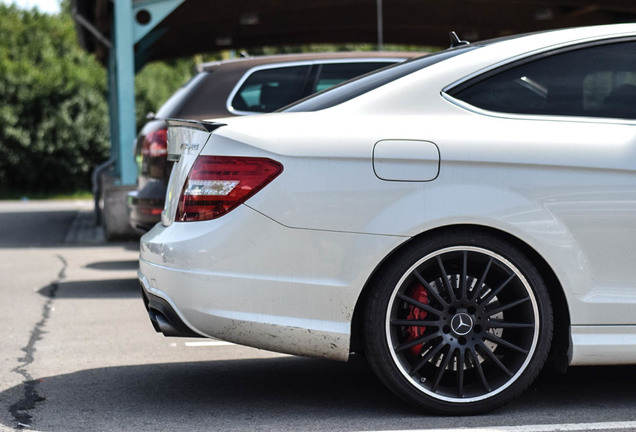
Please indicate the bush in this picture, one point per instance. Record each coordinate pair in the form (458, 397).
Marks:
(53, 110)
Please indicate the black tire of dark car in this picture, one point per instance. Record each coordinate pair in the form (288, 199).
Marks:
(459, 322)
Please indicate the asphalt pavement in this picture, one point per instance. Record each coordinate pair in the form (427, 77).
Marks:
(78, 353)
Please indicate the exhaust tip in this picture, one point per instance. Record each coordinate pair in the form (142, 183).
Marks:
(165, 327)
(164, 318)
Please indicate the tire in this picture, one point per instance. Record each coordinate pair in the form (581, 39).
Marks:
(458, 323)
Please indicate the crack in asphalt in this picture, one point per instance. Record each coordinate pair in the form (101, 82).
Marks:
(21, 409)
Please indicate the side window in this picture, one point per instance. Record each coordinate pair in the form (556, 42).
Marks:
(330, 74)
(267, 90)
(597, 81)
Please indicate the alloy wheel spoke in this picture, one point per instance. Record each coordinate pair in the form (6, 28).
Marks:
(492, 294)
(512, 325)
(500, 341)
(416, 323)
(464, 277)
(415, 342)
(430, 289)
(461, 359)
(429, 355)
(507, 306)
(480, 371)
(482, 280)
(442, 369)
(418, 304)
(494, 359)
(445, 280)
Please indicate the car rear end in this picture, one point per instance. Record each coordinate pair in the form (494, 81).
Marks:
(145, 204)
(219, 267)
(193, 232)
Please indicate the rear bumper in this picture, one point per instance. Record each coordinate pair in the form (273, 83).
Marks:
(249, 280)
(162, 315)
(145, 206)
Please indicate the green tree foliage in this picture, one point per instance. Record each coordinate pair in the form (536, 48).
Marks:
(53, 111)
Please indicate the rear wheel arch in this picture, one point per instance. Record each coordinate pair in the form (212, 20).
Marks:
(560, 351)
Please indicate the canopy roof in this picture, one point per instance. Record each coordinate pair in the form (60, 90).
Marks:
(198, 26)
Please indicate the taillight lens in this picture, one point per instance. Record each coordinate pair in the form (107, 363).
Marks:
(155, 143)
(218, 184)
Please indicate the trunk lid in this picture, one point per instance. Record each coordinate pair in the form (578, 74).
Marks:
(186, 139)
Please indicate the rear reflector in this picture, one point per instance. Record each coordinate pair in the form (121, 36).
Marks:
(218, 184)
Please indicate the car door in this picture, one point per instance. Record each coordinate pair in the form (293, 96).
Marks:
(574, 113)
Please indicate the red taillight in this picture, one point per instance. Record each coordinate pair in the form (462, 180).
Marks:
(155, 143)
(150, 211)
(217, 184)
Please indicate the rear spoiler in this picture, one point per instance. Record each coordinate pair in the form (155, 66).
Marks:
(184, 141)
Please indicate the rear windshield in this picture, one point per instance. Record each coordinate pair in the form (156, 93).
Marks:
(359, 86)
(172, 105)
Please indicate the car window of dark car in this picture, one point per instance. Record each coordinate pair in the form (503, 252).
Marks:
(359, 86)
(266, 90)
(331, 74)
(172, 105)
(593, 81)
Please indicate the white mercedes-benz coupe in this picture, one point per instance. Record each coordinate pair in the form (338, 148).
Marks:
(461, 219)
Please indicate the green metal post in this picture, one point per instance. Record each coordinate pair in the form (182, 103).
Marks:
(124, 92)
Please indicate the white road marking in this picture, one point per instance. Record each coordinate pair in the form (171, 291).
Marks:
(208, 344)
(627, 425)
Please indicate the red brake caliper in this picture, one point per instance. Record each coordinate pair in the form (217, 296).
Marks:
(415, 313)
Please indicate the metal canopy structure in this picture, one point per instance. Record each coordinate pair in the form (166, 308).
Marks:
(197, 26)
(126, 34)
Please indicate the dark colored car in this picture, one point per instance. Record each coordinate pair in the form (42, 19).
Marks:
(237, 87)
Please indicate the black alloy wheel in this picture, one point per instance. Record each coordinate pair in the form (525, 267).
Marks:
(459, 323)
